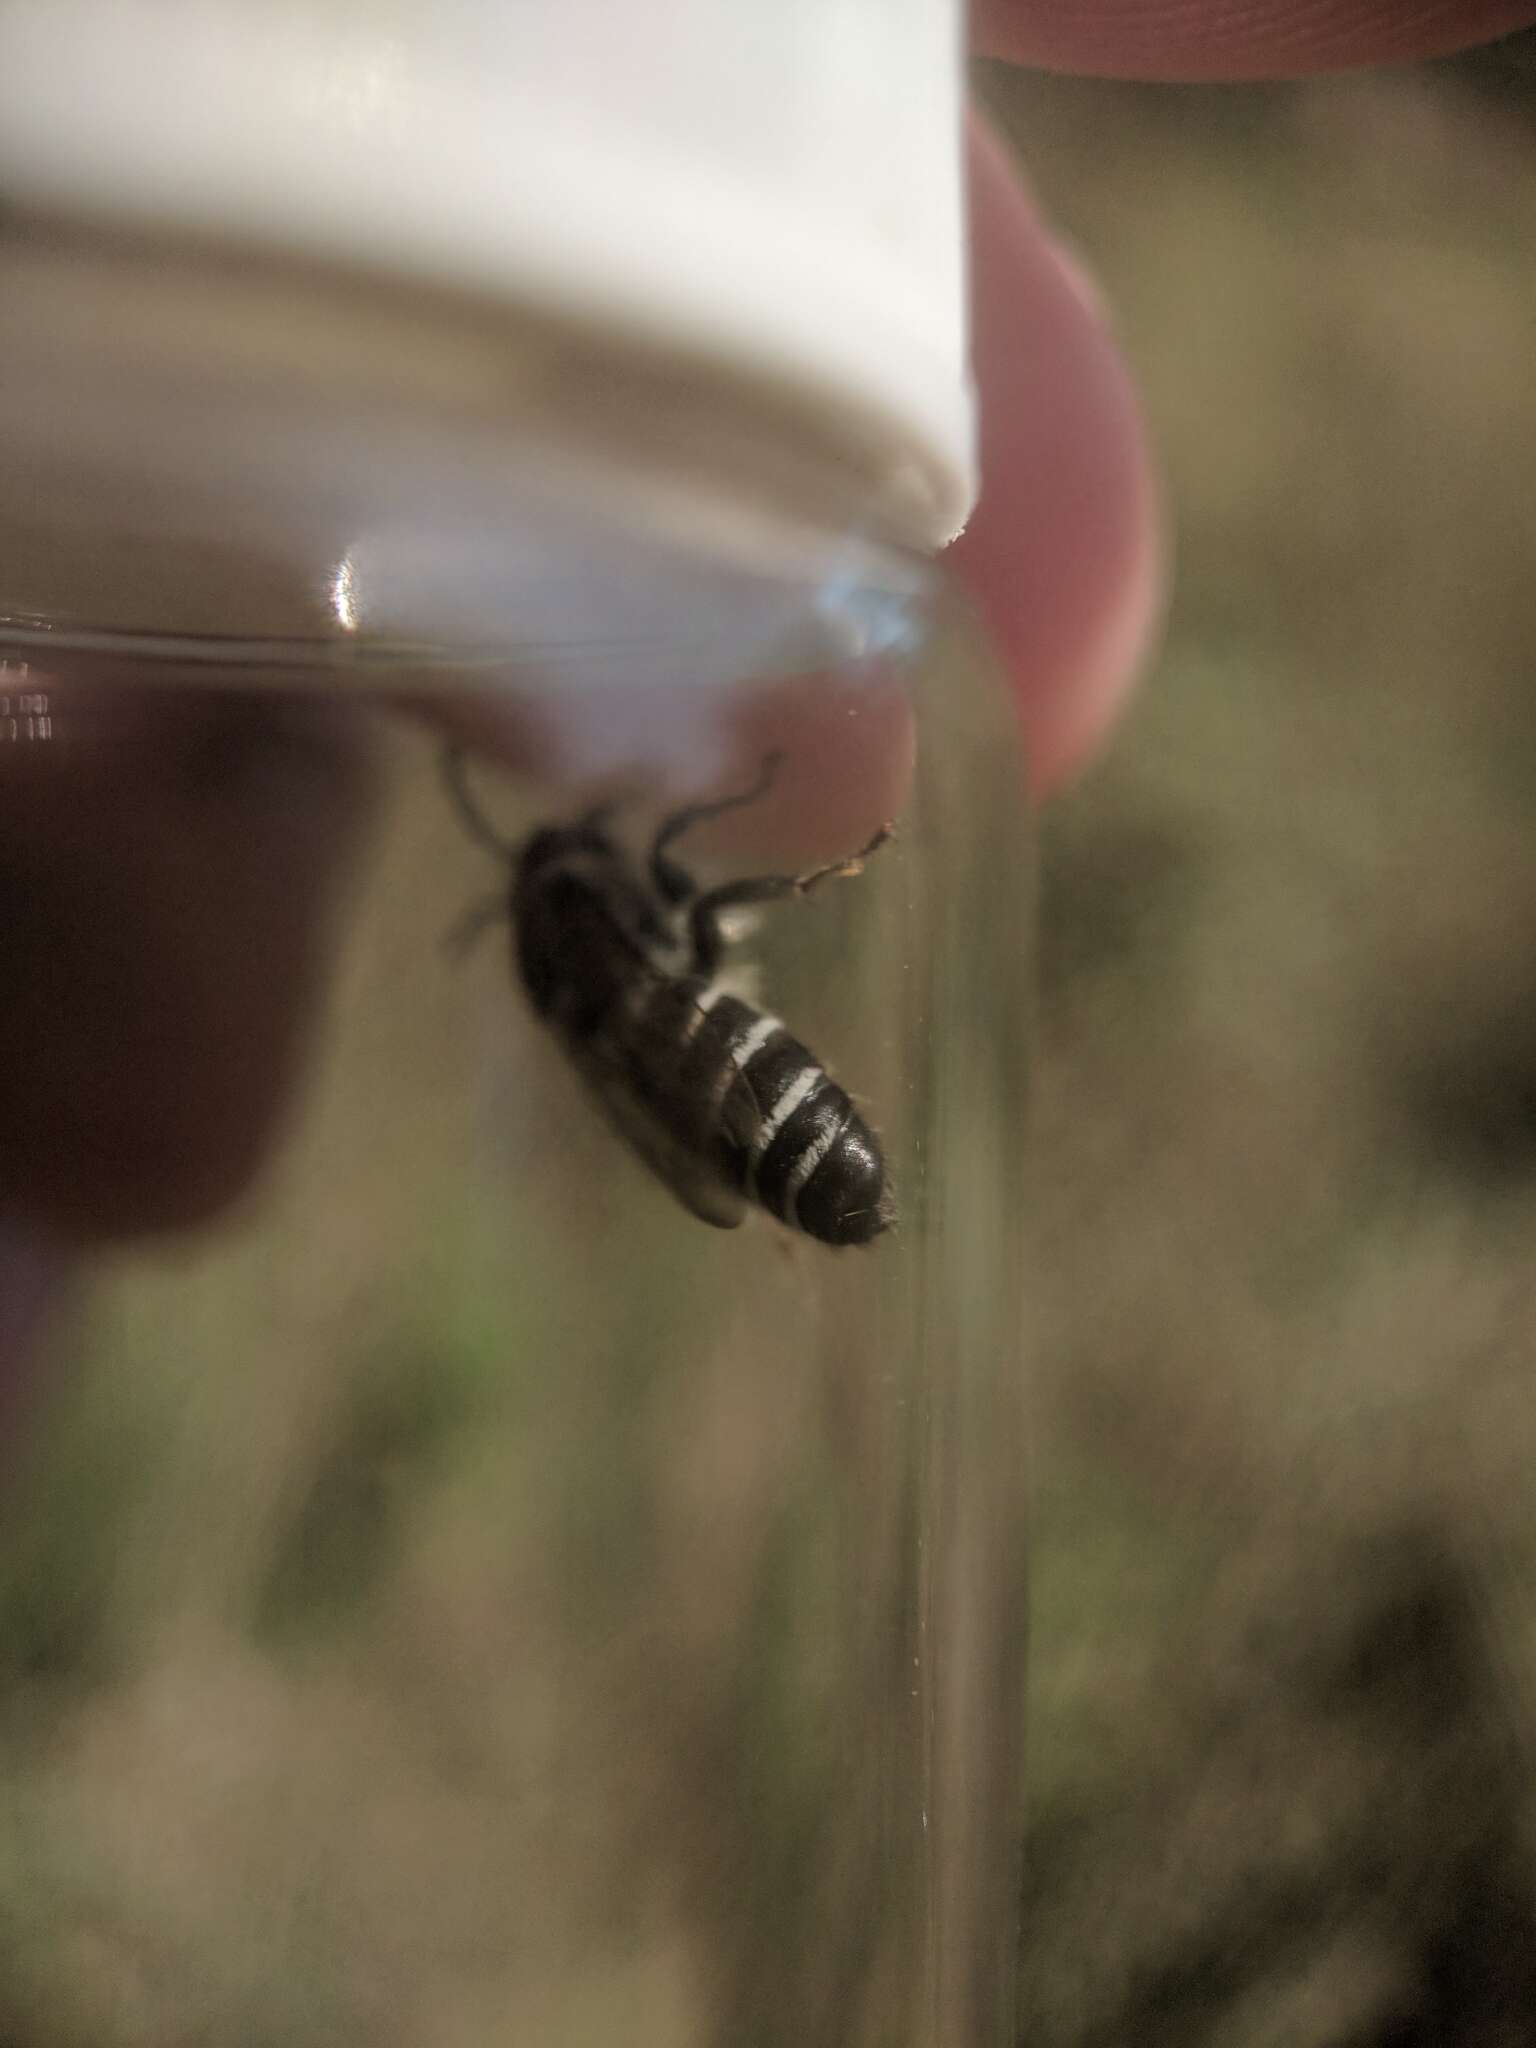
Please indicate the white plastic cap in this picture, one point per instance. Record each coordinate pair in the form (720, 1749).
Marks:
(770, 185)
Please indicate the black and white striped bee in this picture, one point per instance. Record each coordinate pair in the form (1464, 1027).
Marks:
(623, 962)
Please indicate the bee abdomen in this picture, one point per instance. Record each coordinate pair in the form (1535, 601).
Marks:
(778, 1128)
(789, 1135)
(817, 1165)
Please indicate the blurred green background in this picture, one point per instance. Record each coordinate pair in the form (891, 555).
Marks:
(1284, 1630)
(1282, 1647)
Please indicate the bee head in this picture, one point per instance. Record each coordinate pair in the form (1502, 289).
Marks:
(553, 844)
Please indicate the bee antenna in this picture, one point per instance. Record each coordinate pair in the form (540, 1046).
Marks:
(682, 821)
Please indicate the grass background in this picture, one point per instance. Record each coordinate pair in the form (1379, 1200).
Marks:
(1286, 1164)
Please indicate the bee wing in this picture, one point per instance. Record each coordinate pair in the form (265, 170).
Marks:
(691, 1178)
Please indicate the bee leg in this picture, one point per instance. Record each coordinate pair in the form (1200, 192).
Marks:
(475, 922)
(707, 937)
(670, 879)
(476, 823)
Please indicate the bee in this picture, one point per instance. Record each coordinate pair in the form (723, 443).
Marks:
(622, 960)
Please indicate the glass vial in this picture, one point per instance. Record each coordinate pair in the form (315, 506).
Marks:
(525, 1544)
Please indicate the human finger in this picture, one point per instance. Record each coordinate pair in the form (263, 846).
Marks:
(170, 862)
(1230, 39)
(1063, 557)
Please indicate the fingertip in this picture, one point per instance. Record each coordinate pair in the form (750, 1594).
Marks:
(1196, 41)
(1065, 554)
